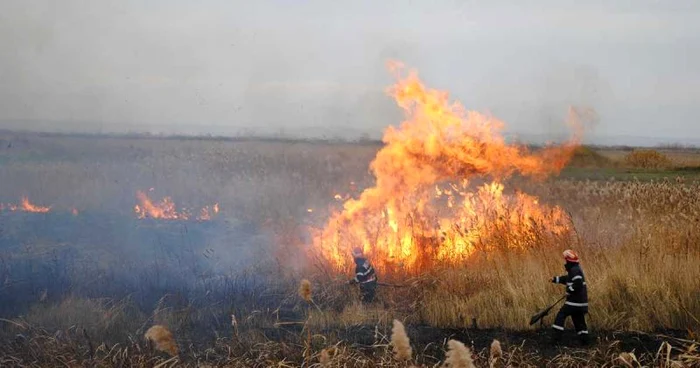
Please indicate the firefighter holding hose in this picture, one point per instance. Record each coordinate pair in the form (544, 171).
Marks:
(364, 276)
(576, 305)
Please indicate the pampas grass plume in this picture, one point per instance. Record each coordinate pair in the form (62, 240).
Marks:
(325, 359)
(400, 342)
(496, 353)
(458, 355)
(305, 290)
(163, 338)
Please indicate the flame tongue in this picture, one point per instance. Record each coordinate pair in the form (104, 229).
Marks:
(25, 206)
(407, 219)
(166, 210)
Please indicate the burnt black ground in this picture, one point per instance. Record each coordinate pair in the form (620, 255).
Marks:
(430, 342)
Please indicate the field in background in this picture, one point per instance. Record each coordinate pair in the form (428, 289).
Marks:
(636, 230)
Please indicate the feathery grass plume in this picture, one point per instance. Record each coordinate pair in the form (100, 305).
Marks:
(163, 338)
(400, 342)
(496, 353)
(458, 356)
(325, 358)
(305, 290)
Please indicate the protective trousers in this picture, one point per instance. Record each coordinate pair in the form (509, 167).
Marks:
(578, 316)
(367, 291)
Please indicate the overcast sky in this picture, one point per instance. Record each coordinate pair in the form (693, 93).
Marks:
(309, 66)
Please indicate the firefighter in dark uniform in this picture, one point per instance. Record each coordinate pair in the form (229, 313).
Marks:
(576, 304)
(364, 276)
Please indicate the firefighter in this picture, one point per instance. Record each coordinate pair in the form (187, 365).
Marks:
(576, 304)
(364, 276)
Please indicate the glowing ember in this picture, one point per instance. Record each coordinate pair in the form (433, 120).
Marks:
(439, 192)
(25, 206)
(166, 210)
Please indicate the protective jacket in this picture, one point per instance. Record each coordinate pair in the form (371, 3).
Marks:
(364, 272)
(575, 281)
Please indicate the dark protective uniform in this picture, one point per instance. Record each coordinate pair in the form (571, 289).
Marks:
(576, 304)
(367, 278)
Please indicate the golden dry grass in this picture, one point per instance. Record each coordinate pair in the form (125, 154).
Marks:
(639, 243)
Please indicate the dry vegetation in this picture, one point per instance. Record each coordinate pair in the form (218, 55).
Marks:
(647, 159)
(77, 349)
(639, 243)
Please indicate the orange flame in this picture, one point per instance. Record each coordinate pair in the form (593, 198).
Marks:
(166, 210)
(25, 206)
(207, 212)
(415, 216)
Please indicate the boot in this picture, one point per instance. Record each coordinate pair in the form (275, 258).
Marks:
(584, 339)
(555, 338)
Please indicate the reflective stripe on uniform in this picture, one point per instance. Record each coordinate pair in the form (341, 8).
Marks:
(584, 332)
(576, 304)
(576, 277)
(369, 280)
(558, 327)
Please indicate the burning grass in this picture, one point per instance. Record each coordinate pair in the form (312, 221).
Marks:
(423, 211)
(24, 206)
(166, 210)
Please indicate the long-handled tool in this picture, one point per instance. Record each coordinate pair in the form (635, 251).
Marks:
(539, 315)
(381, 284)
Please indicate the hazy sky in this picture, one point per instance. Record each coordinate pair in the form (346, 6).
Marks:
(222, 66)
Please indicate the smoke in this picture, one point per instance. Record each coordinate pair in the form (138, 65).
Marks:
(318, 69)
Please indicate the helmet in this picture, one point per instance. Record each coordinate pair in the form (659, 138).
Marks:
(357, 252)
(571, 256)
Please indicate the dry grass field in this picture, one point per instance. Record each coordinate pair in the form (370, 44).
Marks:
(638, 240)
